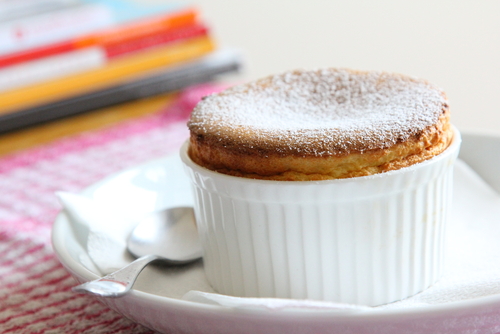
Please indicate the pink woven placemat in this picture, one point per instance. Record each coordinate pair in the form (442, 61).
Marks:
(35, 290)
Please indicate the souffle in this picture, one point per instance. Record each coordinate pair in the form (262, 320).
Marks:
(320, 125)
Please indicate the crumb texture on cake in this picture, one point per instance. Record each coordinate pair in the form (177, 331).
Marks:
(323, 124)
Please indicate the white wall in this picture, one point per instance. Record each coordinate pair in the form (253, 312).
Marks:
(453, 43)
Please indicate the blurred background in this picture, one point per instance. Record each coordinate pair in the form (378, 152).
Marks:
(60, 58)
(454, 44)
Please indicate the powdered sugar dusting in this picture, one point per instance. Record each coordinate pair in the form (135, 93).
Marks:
(320, 112)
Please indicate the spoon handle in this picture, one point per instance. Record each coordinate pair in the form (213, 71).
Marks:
(119, 282)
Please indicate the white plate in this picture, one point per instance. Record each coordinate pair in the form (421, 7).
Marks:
(156, 300)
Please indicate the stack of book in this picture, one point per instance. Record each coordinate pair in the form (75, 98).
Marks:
(62, 57)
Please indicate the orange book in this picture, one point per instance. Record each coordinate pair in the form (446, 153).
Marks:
(123, 68)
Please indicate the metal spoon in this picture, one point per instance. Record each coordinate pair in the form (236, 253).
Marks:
(168, 235)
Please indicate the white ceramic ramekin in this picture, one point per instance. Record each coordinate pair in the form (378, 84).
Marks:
(367, 240)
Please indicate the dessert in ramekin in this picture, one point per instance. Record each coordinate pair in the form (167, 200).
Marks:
(330, 184)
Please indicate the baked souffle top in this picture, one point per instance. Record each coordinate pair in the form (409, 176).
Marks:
(322, 115)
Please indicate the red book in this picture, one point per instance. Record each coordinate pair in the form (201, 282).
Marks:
(162, 37)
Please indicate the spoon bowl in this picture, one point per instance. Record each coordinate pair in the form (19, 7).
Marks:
(169, 235)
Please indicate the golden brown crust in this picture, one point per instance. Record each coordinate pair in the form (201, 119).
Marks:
(296, 168)
(238, 154)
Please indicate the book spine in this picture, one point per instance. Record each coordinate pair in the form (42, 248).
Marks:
(119, 34)
(14, 77)
(198, 71)
(113, 73)
(194, 72)
(35, 53)
(81, 60)
(51, 27)
(114, 50)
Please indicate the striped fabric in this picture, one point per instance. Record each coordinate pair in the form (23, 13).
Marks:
(35, 290)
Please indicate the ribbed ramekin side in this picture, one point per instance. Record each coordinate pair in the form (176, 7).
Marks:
(390, 248)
